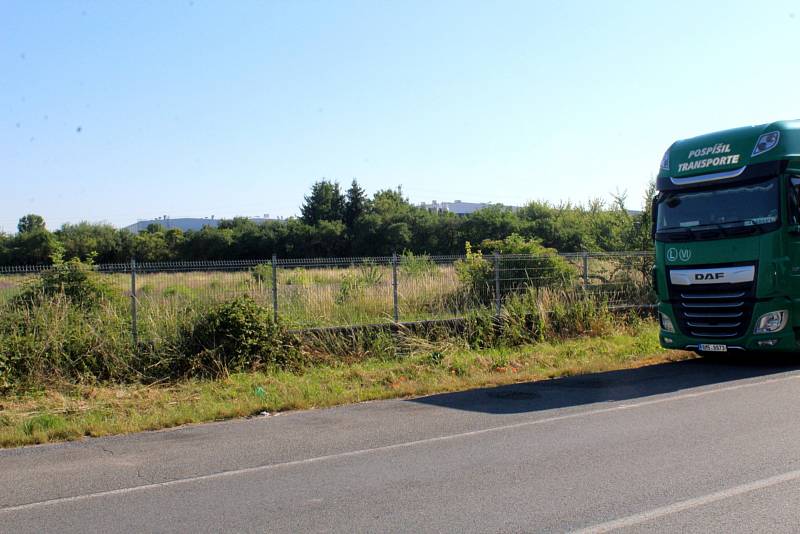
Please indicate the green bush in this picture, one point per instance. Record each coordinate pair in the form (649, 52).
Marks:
(370, 274)
(524, 263)
(58, 340)
(543, 313)
(75, 280)
(350, 286)
(5, 373)
(236, 336)
(476, 274)
(262, 273)
(414, 266)
(480, 330)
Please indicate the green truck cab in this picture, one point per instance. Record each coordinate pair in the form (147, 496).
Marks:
(726, 223)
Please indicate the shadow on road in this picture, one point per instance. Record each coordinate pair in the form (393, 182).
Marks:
(622, 385)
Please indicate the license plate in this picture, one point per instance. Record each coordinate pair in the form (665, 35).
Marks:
(705, 347)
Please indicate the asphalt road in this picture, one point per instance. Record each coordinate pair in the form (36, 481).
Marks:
(691, 446)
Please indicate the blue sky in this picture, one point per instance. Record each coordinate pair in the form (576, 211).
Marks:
(116, 111)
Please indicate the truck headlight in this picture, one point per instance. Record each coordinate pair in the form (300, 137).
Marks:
(666, 323)
(771, 322)
(766, 142)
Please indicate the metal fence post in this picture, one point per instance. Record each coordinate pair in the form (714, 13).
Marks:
(497, 299)
(394, 288)
(585, 268)
(275, 286)
(134, 319)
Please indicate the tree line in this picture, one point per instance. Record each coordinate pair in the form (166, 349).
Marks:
(339, 223)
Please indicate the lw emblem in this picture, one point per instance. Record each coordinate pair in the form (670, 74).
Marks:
(674, 254)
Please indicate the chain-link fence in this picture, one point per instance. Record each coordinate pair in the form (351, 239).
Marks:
(306, 293)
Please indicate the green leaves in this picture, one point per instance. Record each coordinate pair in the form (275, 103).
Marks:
(238, 335)
(340, 224)
(325, 203)
(73, 280)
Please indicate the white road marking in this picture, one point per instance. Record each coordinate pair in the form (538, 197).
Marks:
(680, 506)
(360, 452)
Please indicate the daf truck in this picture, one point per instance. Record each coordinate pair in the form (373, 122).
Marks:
(726, 223)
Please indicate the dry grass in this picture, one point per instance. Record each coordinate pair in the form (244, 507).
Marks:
(323, 296)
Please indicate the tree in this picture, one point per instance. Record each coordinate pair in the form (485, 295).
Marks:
(5, 249)
(30, 223)
(34, 247)
(208, 244)
(566, 227)
(544, 267)
(154, 228)
(237, 223)
(640, 233)
(325, 203)
(355, 204)
(151, 246)
(386, 227)
(337, 224)
(102, 242)
(495, 221)
(174, 239)
(329, 238)
(292, 239)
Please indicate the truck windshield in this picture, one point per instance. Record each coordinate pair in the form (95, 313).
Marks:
(731, 208)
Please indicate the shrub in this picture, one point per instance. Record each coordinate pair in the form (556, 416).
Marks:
(526, 263)
(75, 280)
(416, 266)
(476, 273)
(370, 274)
(480, 330)
(235, 336)
(542, 313)
(55, 339)
(262, 273)
(540, 266)
(350, 285)
(5, 373)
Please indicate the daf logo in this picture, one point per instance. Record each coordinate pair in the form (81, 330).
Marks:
(709, 276)
(674, 254)
(716, 275)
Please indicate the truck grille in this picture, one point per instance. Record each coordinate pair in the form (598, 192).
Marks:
(716, 311)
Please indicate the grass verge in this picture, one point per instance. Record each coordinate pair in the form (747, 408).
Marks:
(69, 411)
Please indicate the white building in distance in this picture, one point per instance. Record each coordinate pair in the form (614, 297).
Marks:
(187, 223)
(460, 208)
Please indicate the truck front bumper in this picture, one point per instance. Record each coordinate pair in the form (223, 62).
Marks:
(782, 341)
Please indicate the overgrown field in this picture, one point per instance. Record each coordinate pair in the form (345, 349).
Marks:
(74, 323)
(352, 294)
(65, 337)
